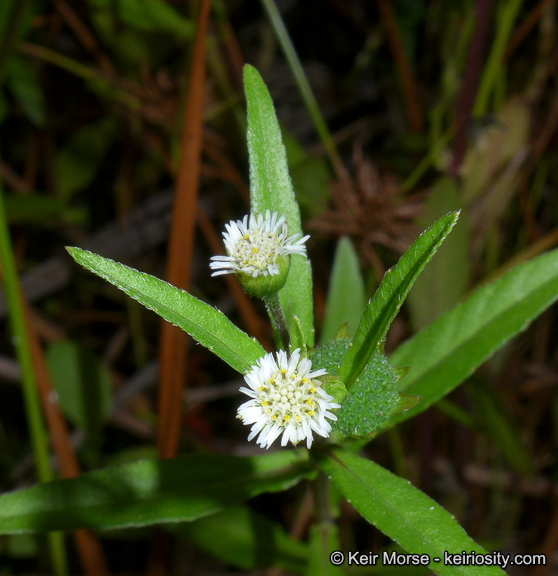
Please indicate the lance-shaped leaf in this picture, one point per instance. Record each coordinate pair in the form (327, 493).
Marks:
(149, 492)
(204, 323)
(448, 351)
(271, 189)
(402, 512)
(389, 297)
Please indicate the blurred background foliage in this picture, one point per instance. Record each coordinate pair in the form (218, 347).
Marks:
(430, 106)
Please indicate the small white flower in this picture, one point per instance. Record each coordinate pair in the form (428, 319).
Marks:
(286, 399)
(253, 245)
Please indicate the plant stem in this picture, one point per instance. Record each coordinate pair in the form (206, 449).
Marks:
(303, 85)
(37, 432)
(504, 21)
(428, 160)
(469, 85)
(278, 319)
(323, 515)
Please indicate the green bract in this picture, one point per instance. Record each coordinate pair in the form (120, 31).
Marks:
(371, 400)
(261, 286)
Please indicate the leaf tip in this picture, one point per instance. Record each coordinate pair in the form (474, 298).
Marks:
(249, 72)
(73, 251)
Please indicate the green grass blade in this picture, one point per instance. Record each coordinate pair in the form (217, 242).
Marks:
(402, 512)
(451, 348)
(504, 22)
(204, 323)
(149, 492)
(271, 189)
(302, 82)
(33, 410)
(389, 297)
(346, 297)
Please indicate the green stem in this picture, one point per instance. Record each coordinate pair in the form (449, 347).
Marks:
(275, 311)
(33, 410)
(428, 160)
(303, 85)
(492, 70)
(321, 495)
(397, 453)
(457, 413)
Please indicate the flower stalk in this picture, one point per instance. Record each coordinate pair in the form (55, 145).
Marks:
(278, 320)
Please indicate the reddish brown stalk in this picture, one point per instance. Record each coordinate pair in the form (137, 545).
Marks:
(173, 340)
(526, 26)
(470, 83)
(172, 351)
(410, 90)
(233, 54)
(88, 547)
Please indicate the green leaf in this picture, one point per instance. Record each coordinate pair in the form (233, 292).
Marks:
(346, 297)
(204, 323)
(389, 297)
(79, 160)
(443, 282)
(245, 539)
(40, 208)
(448, 351)
(271, 189)
(82, 383)
(401, 511)
(22, 81)
(148, 16)
(149, 492)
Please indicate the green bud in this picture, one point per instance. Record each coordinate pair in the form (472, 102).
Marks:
(261, 286)
(334, 387)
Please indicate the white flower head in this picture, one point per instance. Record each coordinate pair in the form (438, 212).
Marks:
(286, 399)
(258, 246)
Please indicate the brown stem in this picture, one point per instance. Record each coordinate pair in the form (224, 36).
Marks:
(410, 90)
(470, 83)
